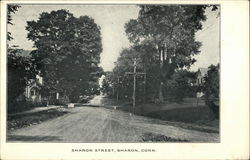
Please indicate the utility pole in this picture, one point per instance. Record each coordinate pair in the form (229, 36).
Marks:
(144, 89)
(134, 86)
(117, 92)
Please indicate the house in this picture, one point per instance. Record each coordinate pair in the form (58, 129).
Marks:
(201, 73)
(32, 90)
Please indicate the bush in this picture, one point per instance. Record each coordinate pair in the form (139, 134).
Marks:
(213, 107)
(211, 89)
(61, 101)
(179, 86)
(18, 106)
(25, 104)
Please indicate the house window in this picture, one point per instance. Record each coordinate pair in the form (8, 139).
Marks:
(32, 93)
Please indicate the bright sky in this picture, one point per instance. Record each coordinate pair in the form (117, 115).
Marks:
(111, 19)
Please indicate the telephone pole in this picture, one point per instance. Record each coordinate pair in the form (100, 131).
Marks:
(134, 86)
(118, 85)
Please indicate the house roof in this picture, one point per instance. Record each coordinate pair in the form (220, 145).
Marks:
(33, 82)
(203, 71)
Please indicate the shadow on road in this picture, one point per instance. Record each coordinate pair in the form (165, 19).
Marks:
(32, 138)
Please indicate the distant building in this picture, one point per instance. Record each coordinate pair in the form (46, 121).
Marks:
(201, 73)
(32, 90)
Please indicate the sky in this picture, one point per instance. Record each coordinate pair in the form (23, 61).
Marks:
(111, 19)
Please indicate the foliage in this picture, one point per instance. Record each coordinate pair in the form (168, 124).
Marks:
(180, 85)
(106, 86)
(11, 10)
(25, 120)
(170, 30)
(122, 82)
(20, 71)
(212, 88)
(212, 83)
(68, 52)
(164, 46)
(176, 87)
(62, 100)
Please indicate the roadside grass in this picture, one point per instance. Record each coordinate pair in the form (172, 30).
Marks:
(152, 137)
(188, 115)
(22, 106)
(28, 119)
(200, 119)
(185, 114)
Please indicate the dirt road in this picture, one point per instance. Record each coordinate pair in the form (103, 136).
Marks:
(98, 124)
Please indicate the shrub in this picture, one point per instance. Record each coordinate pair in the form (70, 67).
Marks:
(61, 101)
(24, 105)
(211, 89)
(179, 86)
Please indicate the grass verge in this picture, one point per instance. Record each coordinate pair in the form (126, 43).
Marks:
(187, 116)
(152, 137)
(200, 119)
(24, 120)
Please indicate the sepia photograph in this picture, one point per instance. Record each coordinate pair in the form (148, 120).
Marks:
(99, 73)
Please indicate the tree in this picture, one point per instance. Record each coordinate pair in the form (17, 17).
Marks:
(122, 83)
(68, 52)
(107, 84)
(11, 10)
(171, 30)
(180, 85)
(20, 68)
(212, 88)
(20, 71)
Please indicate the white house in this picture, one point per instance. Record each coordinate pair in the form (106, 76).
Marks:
(32, 90)
(202, 72)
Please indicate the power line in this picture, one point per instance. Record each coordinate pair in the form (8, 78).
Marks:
(206, 29)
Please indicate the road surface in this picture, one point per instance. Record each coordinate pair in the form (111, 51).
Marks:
(98, 124)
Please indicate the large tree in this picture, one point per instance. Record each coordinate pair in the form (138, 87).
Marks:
(67, 52)
(171, 30)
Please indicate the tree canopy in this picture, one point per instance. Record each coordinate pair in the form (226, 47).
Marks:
(170, 31)
(67, 52)
(164, 44)
(11, 9)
